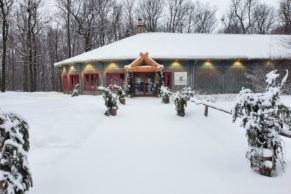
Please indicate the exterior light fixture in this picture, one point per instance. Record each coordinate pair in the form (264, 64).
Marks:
(176, 65)
(208, 64)
(64, 71)
(89, 67)
(269, 64)
(112, 65)
(72, 69)
(238, 64)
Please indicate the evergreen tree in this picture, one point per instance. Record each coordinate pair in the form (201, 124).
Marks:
(180, 99)
(76, 90)
(264, 116)
(129, 84)
(110, 100)
(15, 176)
(119, 92)
(158, 84)
(165, 93)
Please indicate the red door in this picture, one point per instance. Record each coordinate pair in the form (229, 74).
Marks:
(143, 84)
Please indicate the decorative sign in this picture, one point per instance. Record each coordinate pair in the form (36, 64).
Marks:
(180, 78)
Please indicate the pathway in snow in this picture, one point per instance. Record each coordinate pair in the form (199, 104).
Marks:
(146, 149)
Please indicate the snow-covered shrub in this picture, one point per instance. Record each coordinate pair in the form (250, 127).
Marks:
(110, 100)
(158, 84)
(15, 176)
(180, 99)
(76, 90)
(129, 84)
(165, 94)
(263, 116)
(119, 92)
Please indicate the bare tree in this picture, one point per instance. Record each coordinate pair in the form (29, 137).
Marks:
(105, 8)
(5, 11)
(29, 24)
(177, 10)
(240, 17)
(264, 18)
(116, 23)
(205, 18)
(84, 13)
(200, 18)
(284, 13)
(66, 8)
(150, 11)
(129, 16)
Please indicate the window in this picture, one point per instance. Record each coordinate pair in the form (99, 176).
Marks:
(64, 83)
(74, 80)
(91, 82)
(115, 79)
(168, 79)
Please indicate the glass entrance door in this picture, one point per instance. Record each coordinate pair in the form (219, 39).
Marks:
(138, 84)
(143, 84)
(149, 84)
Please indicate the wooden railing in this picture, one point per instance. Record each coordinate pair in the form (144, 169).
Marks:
(207, 105)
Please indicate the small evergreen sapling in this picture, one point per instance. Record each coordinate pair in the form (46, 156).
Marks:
(264, 116)
(119, 92)
(165, 93)
(110, 101)
(76, 90)
(15, 176)
(180, 99)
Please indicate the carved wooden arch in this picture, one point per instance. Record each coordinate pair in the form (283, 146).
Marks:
(144, 64)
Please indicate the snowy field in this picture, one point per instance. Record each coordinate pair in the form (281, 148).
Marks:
(146, 149)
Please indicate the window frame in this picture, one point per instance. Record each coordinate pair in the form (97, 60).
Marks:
(108, 75)
(74, 80)
(96, 82)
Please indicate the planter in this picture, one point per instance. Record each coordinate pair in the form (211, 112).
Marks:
(181, 113)
(262, 165)
(166, 100)
(122, 100)
(113, 111)
(3, 186)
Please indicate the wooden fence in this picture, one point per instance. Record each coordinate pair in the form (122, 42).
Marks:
(208, 105)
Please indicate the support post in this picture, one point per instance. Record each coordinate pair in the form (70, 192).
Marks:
(206, 111)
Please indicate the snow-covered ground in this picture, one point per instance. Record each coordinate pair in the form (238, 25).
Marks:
(146, 149)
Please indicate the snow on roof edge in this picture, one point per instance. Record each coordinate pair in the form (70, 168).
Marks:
(268, 42)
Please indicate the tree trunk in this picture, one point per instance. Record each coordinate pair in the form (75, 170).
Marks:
(69, 35)
(4, 50)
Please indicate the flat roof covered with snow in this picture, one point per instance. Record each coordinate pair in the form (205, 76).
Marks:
(190, 46)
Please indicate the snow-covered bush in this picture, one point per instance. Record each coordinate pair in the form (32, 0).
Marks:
(180, 99)
(15, 176)
(129, 84)
(165, 94)
(119, 92)
(110, 101)
(158, 84)
(263, 116)
(76, 90)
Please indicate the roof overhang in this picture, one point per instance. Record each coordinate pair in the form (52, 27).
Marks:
(144, 64)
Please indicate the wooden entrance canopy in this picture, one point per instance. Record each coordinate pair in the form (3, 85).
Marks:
(144, 64)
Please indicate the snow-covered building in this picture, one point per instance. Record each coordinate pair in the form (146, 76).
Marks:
(214, 63)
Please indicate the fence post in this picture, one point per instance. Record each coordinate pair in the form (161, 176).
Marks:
(206, 111)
